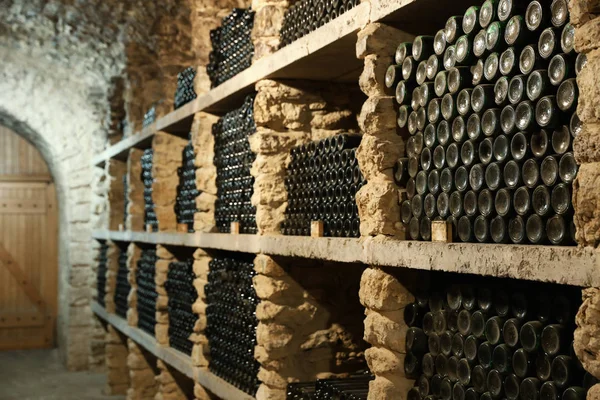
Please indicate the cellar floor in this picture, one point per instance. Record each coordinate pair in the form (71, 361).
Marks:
(40, 375)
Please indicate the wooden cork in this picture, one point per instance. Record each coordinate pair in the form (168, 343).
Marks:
(316, 229)
(182, 228)
(441, 231)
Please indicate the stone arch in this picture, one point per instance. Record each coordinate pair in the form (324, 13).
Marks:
(56, 115)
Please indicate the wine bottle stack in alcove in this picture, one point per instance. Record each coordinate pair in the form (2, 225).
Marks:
(233, 160)
(146, 290)
(232, 47)
(231, 320)
(149, 213)
(185, 87)
(185, 204)
(305, 16)
(182, 294)
(354, 387)
(474, 338)
(123, 286)
(126, 200)
(322, 180)
(101, 273)
(489, 105)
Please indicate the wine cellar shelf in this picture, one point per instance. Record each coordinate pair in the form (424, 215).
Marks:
(172, 357)
(310, 57)
(566, 265)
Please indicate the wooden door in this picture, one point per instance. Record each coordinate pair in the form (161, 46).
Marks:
(28, 247)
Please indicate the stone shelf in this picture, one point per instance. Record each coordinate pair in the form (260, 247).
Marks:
(566, 265)
(328, 54)
(120, 150)
(172, 357)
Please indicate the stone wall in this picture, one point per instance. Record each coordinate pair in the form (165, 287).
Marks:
(267, 23)
(112, 268)
(206, 172)
(383, 142)
(116, 193)
(200, 351)
(384, 296)
(586, 199)
(309, 322)
(142, 371)
(288, 114)
(161, 329)
(172, 385)
(167, 157)
(134, 253)
(135, 192)
(117, 381)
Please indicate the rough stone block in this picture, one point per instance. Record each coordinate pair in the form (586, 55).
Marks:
(266, 392)
(382, 361)
(383, 332)
(586, 344)
(587, 36)
(381, 39)
(589, 91)
(266, 265)
(274, 337)
(586, 201)
(377, 155)
(382, 291)
(582, 11)
(268, 141)
(377, 115)
(378, 209)
(586, 145)
(384, 388)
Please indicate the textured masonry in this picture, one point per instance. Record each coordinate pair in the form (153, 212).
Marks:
(206, 172)
(200, 350)
(116, 193)
(161, 330)
(383, 142)
(112, 267)
(142, 370)
(384, 297)
(309, 322)
(167, 158)
(171, 384)
(288, 114)
(116, 363)
(267, 23)
(135, 191)
(134, 253)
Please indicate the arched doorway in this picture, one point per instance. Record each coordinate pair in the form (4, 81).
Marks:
(28, 246)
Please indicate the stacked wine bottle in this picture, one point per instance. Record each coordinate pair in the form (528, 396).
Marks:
(101, 273)
(489, 103)
(233, 159)
(182, 294)
(185, 205)
(149, 213)
(146, 290)
(185, 87)
(231, 320)
(123, 286)
(355, 387)
(305, 16)
(232, 47)
(474, 338)
(149, 117)
(125, 200)
(322, 180)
